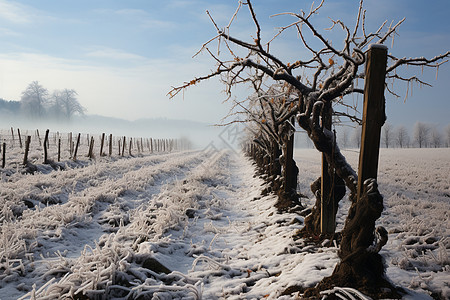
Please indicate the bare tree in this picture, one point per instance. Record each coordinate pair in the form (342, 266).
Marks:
(334, 72)
(65, 102)
(275, 135)
(34, 100)
(402, 136)
(421, 134)
(387, 134)
(436, 137)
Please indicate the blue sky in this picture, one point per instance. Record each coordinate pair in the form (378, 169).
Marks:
(122, 57)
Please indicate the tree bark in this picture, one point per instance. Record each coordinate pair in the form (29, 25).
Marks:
(288, 197)
(361, 266)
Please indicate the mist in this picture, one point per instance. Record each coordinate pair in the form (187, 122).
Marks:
(199, 134)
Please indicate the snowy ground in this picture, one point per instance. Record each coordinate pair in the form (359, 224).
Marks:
(103, 227)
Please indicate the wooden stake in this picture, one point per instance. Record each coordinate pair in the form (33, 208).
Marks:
(123, 146)
(27, 149)
(373, 114)
(59, 149)
(70, 144)
(39, 137)
(91, 148)
(101, 144)
(110, 144)
(131, 144)
(20, 138)
(45, 146)
(12, 135)
(76, 147)
(4, 156)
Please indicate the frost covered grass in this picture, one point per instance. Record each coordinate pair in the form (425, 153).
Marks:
(194, 226)
(415, 184)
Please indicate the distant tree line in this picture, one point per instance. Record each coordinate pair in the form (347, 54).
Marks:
(38, 103)
(423, 135)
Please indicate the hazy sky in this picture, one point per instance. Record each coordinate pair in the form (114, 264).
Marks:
(122, 57)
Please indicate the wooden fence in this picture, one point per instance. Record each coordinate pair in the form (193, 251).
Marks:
(17, 144)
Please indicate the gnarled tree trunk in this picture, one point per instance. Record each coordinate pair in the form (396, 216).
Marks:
(361, 266)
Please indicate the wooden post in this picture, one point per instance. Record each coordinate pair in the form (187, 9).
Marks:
(76, 147)
(151, 145)
(131, 144)
(91, 148)
(59, 149)
(27, 149)
(110, 144)
(4, 156)
(120, 144)
(373, 114)
(45, 146)
(12, 135)
(70, 144)
(20, 138)
(123, 146)
(39, 137)
(327, 213)
(101, 144)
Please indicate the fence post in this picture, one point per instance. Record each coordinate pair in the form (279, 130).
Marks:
(4, 156)
(70, 144)
(101, 144)
(27, 149)
(45, 146)
(59, 149)
(76, 147)
(373, 114)
(20, 138)
(39, 137)
(130, 146)
(12, 135)
(91, 148)
(110, 144)
(327, 213)
(123, 146)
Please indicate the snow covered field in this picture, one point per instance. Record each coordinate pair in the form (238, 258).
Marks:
(193, 225)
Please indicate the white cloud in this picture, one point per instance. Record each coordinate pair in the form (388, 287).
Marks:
(143, 18)
(115, 54)
(8, 32)
(14, 12)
